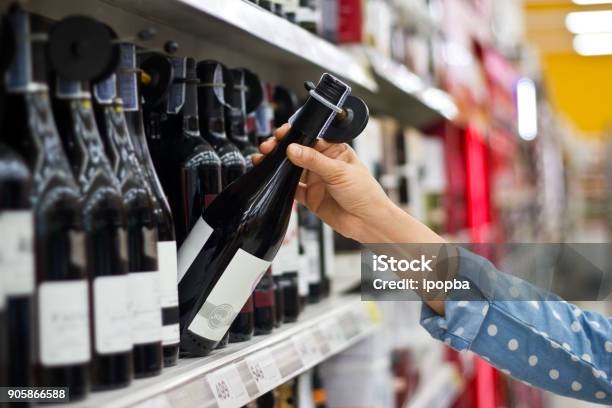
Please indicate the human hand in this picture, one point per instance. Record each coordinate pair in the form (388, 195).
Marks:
(336, 186)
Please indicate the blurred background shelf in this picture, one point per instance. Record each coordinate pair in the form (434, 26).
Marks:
(439, 391)
(322, 331)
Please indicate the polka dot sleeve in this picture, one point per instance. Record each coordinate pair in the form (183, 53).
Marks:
(550, 344)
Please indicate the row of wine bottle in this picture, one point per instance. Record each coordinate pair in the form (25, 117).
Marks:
(108, 156)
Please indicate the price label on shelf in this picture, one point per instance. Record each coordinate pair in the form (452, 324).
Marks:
(333, 333)
(227, 387)
(264, 370)
(307, 347)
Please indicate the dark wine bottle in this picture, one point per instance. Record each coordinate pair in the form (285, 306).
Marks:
(309, 238)
(103, 213)
(264, 116)
(212, 93)
(62, 291)
(142, 226)
(166, 244)
(303, 269)
(326, 257)
(189, 168)
(243, 228)
(16, 269)
(285, 271)
(264, 304)
(17, 278)
(216, 84)
(246, 97)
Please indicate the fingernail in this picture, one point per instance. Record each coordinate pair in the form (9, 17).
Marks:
(295, 150)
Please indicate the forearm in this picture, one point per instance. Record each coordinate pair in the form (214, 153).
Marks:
(395, 226)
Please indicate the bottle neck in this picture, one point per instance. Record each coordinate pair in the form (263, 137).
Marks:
(211, 113)
(235, 118)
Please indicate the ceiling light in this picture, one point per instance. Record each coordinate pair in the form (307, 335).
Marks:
(590, 2)
(580, 22)
(593, 44)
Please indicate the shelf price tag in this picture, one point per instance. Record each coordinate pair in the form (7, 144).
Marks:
(227, 387)
(264, 370)
(333, 333)
(307, 347)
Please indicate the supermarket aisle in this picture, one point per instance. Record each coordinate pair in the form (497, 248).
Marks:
(149, 255)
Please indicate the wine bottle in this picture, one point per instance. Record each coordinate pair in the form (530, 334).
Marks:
(326, 257)
(62, 291)
(264, 304)
(216, 84)
(285, 104)
(285, 270)
(166, 244)
(189, 168)
(264, 116)
(309, 237)
(303, 272)
(246, 97)
(104, 225)
(16, 270)
(239, 234)
(3, 329)
(142, 231)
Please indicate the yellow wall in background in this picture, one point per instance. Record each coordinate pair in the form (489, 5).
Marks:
(581, 88)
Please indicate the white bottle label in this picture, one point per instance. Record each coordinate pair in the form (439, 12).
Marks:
(63, 315)
(111, 314)
(304, 266)
(192, 246)
(166, 251)
(229, 295)
(145, 311)
(311, 247)
(16, 257)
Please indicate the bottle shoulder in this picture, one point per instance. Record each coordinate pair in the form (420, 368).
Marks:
(12, 166)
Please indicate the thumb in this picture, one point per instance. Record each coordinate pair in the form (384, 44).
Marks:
(310, 159)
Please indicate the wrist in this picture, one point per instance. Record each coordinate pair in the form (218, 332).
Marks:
(391, 224)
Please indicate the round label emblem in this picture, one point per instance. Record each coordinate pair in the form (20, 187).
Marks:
(220, 315)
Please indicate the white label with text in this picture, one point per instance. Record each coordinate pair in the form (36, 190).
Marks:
(145, 310)
(111, 314)
(228, 295)
(16, 256)
(63, 315)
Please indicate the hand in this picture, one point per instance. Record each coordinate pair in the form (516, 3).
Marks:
(335, 185)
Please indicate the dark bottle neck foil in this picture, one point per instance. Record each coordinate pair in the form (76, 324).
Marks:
(235, 120)
(190, 106)
(28, 70)
(211, 100)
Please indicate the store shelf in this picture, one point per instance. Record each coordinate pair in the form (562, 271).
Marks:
(244, 26)
(323, 330)
(410, 98)
(240, 33)
(439, 391)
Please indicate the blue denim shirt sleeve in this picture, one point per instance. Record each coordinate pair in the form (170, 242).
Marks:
(547, 343)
